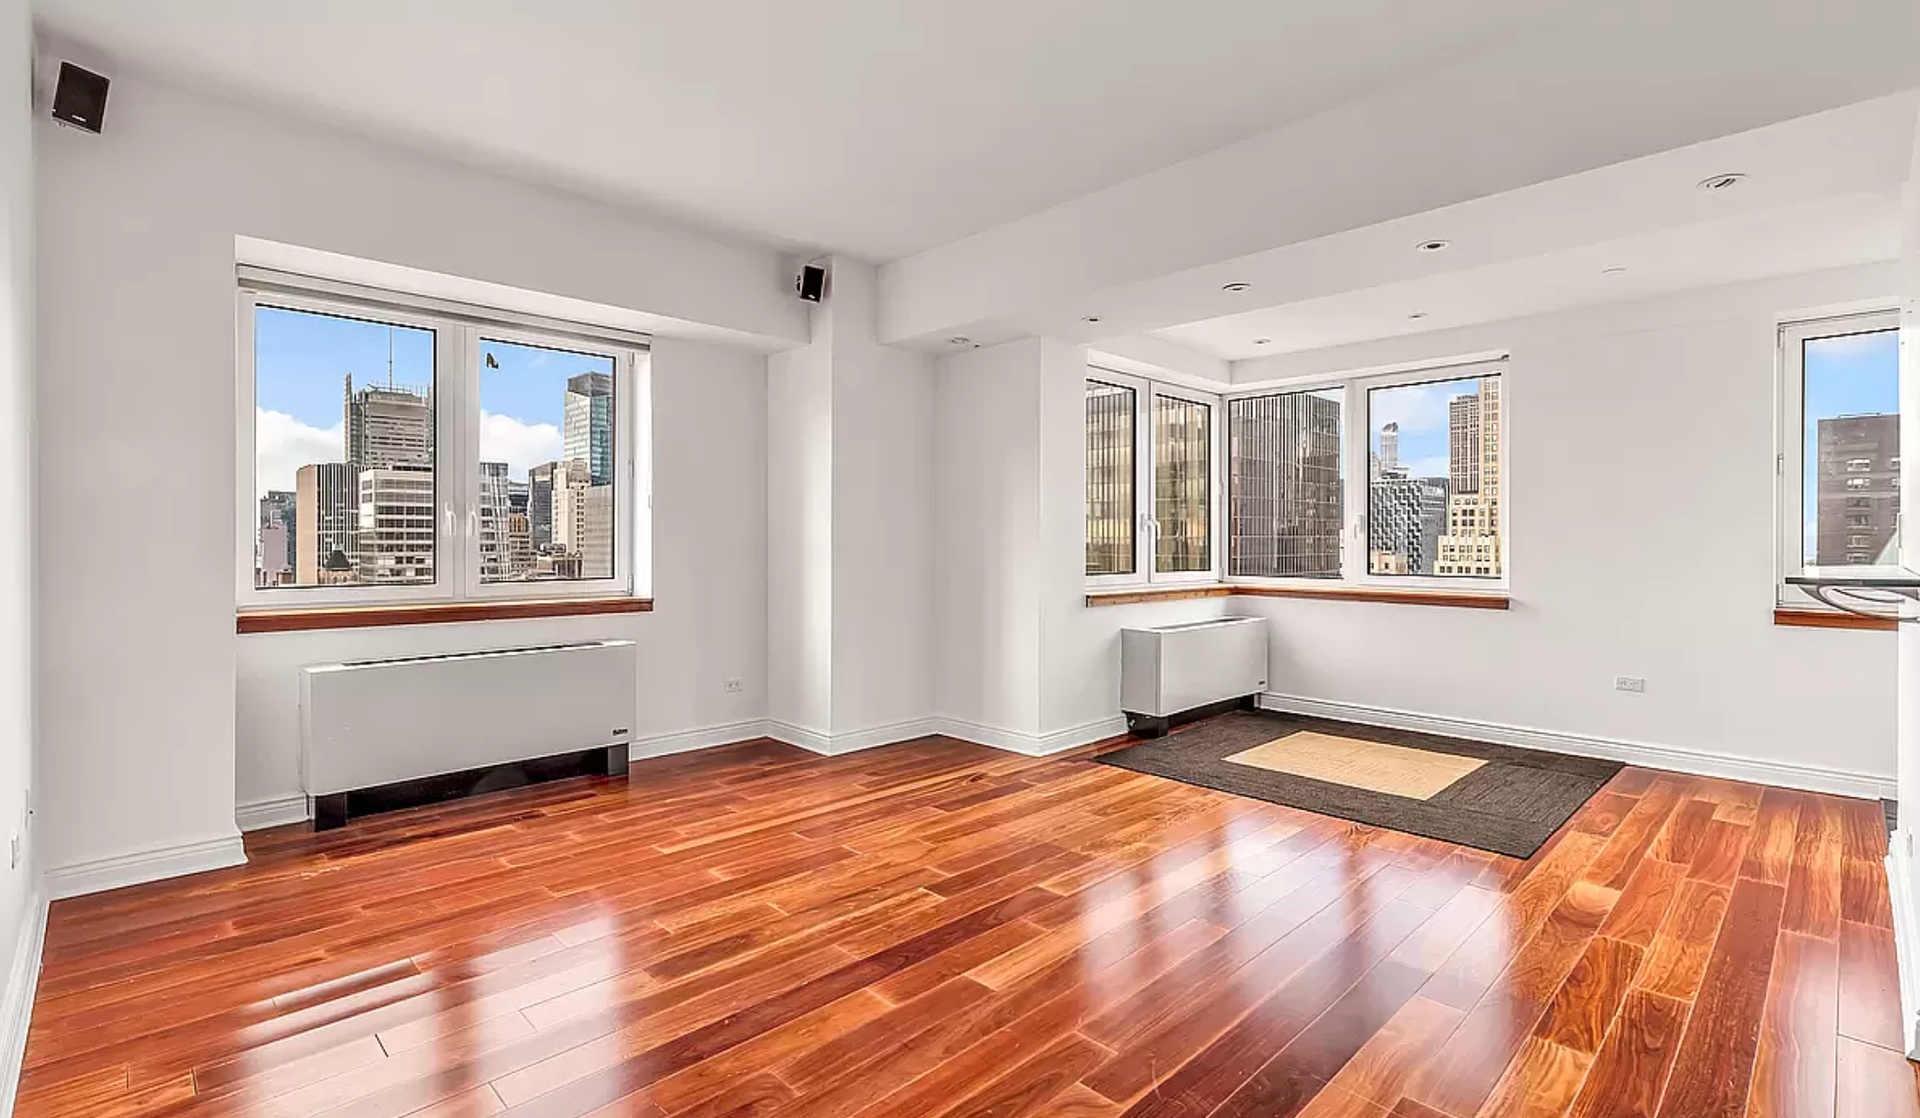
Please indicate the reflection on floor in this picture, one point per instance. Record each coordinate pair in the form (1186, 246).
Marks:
(939, 928)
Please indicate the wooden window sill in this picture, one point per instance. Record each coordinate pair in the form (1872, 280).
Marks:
(1831, 619)
(431, 613)
(1157, 594)
(1453, 598)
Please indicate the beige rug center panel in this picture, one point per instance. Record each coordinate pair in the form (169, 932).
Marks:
(1393, 769)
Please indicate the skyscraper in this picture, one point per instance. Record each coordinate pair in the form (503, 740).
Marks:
(1284, 506)
(279, 507)
(327, 512)
(1405, 519)
(571, 480)
(1389, 449)
(540, 504)
(596, 532)
(396, 528)
(1857, 494)
(388, 426)
(1471, 545)
(495, 557)
(1463, 444)
(589, 424)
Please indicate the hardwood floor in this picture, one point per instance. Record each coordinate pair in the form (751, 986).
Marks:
(937, 928)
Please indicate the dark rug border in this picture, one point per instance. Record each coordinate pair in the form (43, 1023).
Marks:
(1522, 838)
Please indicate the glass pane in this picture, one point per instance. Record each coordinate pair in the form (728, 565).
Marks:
(343, 451)
(1434, 479)
(1850, 494)
(547, 484)
(1110, 512)
(1284, 484)
(1182, 466)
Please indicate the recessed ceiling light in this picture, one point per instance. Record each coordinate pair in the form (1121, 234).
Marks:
(1263, 341)
(1090, 318)
(1418, 314)
(1435, 245)
(959, 339)
(1616, 270)
(1721, 182)
(1236, 287)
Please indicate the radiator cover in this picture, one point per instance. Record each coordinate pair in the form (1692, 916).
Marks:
(1175, 668)
(375, 722)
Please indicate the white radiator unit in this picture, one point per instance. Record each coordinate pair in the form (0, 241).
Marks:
(375, 722)
(1172, 669)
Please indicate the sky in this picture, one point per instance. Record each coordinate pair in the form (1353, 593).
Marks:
(1858, 374)
(1421, 411)
(300, 360)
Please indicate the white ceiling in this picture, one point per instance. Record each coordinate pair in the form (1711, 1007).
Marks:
(873, 127)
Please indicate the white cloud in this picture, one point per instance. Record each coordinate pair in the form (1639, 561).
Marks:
(1420, 407)
(283, 444)
(520, 445)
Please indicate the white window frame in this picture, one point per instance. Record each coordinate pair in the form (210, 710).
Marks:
(1145, 523)
(1356, 440)
(458, 330)
(1790, 437)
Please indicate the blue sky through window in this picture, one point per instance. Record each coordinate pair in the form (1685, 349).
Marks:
(1421, 412)
(302, 358)
(1854, 374)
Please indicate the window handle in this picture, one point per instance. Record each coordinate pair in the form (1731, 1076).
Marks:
(452, 524)
(473, 522)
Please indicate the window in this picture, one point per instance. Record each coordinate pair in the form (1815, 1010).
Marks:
(1840, 444)
(1110, 506)
(405, 450)
(1388, 479)
(1434, 478)
(1182, 485)
(1148, 438)
(1285, 484)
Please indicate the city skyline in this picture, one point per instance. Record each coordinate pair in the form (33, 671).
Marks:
(354, 500)
(302, 356)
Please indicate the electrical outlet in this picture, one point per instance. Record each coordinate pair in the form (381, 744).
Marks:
(1632, 683)
(734, 686)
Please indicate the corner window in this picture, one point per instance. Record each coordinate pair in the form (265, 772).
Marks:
(1839, 444)
(403, 450)
(1157, 441)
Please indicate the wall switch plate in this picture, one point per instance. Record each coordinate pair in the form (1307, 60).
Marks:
(1632, 683)
(734, 686)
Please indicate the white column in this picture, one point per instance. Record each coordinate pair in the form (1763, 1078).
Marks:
(849, 526)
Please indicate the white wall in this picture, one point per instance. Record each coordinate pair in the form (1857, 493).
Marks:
(140, 714)
(17, 692)
(799, 573)
(849, 561)
(709, 618)
(1641, 446)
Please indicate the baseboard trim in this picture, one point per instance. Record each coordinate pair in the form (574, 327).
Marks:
(850, 741)
(1906, 934)
(1031, 745)
(23, 978)
(140, 867)
(1785, 774)
(274, 811)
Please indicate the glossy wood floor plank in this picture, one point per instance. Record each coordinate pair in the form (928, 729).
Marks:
(942, 930)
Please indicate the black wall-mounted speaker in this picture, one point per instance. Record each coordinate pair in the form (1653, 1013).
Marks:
(80, 98)
(811, 283)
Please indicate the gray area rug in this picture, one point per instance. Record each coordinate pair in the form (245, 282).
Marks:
(1510, 805)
